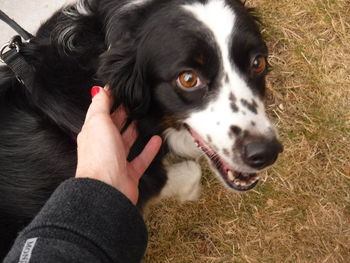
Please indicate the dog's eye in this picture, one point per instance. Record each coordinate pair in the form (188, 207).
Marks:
(188, 80)
(259, 64)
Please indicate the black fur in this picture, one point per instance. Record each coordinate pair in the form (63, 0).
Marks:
(139, 52)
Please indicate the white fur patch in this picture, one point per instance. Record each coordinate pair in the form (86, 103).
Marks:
(218, 18)
(181, 143)
(183, 181)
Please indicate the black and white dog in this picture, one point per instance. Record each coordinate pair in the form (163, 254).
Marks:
(192, 71)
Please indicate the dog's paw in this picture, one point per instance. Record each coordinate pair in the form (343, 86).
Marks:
(183, 181)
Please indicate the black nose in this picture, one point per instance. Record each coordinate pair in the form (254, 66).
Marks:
(261, 153)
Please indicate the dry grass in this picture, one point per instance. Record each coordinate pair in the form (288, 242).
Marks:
(301, 212)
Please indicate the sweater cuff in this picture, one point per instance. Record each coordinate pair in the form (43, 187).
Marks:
(97, 214)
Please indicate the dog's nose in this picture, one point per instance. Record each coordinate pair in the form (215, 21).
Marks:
(259, 154)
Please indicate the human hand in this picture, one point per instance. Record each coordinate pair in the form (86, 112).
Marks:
(102, 150)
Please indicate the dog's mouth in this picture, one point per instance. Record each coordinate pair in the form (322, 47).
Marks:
(234, 179)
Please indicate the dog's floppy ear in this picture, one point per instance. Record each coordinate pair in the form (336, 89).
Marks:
(120, 69)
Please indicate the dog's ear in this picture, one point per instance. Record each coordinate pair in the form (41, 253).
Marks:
(120, 69)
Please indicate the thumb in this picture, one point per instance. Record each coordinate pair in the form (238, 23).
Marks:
(101, 102)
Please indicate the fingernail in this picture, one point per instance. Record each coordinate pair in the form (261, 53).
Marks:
(95, 90)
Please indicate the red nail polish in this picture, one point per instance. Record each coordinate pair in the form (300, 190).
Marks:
(95, 90)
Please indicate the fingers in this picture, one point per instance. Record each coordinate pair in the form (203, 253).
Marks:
(139, 165)
(101, 102)
(119, 117)
(129, 137)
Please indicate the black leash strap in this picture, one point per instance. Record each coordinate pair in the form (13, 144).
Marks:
(16, 62)
(10, 54)
(23, 33)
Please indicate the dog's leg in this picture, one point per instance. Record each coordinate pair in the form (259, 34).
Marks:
(183, 181)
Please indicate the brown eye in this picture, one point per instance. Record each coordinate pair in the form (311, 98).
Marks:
(188, 79)
(259, 64)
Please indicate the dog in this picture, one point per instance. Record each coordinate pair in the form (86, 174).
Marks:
(192, 71)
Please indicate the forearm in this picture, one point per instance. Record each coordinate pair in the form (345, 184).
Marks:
(84, 221)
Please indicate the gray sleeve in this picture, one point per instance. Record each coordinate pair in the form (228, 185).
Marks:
(83, 221)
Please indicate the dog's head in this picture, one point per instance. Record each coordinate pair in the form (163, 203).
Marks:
(199, 65)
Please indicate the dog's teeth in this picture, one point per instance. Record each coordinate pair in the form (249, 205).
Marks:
(244, 183)
(253, 180)
(230, 175)
(237, 182)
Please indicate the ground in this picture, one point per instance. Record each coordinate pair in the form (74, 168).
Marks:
(300, 212)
